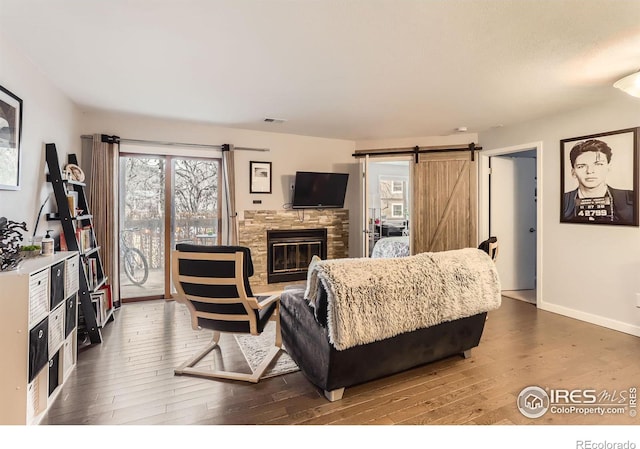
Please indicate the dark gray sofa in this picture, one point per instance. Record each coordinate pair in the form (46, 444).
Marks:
(305, 337)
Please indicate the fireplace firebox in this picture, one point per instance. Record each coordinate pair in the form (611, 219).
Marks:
(289, 253)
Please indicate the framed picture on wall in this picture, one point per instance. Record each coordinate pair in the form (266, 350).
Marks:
(10, 135)
(260, 177)
(599, 178)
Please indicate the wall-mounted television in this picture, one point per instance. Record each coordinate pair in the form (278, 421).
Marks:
(315, 190)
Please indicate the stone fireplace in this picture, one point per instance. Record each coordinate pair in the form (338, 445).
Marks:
(254, 228)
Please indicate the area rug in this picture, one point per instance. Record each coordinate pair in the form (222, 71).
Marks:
(255, 347)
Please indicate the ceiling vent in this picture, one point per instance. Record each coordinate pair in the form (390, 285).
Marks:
(274, 120)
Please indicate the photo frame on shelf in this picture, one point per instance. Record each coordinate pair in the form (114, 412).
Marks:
(10, 137)
(599, 178)
(260, 177)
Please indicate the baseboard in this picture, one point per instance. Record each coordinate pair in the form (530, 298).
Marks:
(590, 318)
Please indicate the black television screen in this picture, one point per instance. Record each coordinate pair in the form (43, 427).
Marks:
(314, 190)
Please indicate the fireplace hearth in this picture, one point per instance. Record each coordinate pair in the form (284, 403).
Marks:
(289, 253)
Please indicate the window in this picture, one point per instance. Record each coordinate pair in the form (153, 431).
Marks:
(397, 210)
(397, 187)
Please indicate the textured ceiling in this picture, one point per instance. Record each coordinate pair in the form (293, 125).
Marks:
(333, 68)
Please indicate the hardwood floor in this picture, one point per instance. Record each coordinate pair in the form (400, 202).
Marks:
(128, 379)
(523, 295)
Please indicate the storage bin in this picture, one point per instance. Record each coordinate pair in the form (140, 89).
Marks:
(56, 329)
(57, 284)
(38, 296)
(38, 347)
(70, 314)
(54, 372)
(72, 275)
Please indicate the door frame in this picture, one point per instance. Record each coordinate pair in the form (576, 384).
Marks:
(364, 171)
(484, 202)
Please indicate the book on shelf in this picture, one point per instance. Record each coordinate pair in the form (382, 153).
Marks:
(85, 267)
(84, 238)
(93, 269)
(90, 266)
(79, 240)
(107, 290)
(63, 242)
(98, 300)
(72, 202)
(105, 308)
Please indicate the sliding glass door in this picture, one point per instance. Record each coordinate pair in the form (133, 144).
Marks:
(196, 201)
(164, 200)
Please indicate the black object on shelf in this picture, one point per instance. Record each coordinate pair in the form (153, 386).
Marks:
(88, 256)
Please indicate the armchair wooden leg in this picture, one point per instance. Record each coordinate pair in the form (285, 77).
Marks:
(182, 369)
(276, 317)
(188, 367)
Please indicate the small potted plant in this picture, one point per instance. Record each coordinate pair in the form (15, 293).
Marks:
(28, 251)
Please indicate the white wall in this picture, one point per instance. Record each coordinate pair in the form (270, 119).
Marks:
(410, 142)
(588, 272)
(47, 117)
(288, 154)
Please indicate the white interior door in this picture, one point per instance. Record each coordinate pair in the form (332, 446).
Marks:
(513, 220)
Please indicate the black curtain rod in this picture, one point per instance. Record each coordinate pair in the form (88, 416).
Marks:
(224, 147)
(416, 151)
(109, 139)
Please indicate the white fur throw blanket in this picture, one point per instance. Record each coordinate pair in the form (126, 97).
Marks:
(374, 299)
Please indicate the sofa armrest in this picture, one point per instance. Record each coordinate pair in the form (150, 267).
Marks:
(319, 309)
(266, 301)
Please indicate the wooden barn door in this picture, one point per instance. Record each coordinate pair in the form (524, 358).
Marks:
(445, 202)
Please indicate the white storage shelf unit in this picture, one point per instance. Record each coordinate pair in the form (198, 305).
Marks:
(38, 334)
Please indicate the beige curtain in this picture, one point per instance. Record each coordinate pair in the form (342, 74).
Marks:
(103, 199)
(228, 170)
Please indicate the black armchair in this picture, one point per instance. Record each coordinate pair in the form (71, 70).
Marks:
(213, 282)
(490, 246)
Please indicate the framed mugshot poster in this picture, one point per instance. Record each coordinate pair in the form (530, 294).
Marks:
(599, 178)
